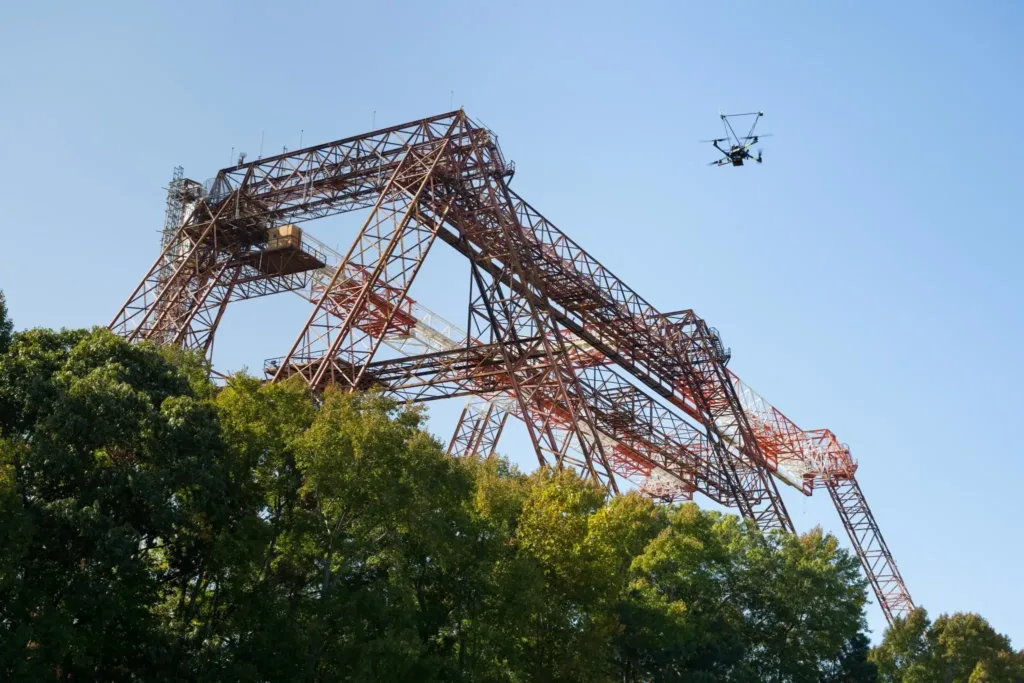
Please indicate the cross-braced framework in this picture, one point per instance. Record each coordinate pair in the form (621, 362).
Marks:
(642, 434)
(656, 467)
(602, 380)
(333, 347)
(874, 554)
(479, 428)
(837, 476)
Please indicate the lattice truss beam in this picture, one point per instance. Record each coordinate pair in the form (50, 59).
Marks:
(602, 380)
(650, 446)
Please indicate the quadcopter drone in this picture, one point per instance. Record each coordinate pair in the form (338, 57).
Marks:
(738, 149)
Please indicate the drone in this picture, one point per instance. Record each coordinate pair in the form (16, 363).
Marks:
(738, 149)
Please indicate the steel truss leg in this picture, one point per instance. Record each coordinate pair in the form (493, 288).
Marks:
(709, 384)
(181, 299)
(479, 428)
(196, 327)
(554, 420)
(336, 342)
(879, 565)
(499, 314)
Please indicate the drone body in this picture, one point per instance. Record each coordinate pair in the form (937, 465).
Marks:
(738, 149)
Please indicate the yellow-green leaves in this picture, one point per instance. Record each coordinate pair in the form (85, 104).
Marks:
(154, 527)
(959, 648)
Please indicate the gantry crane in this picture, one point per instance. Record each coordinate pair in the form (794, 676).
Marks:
(603, 381)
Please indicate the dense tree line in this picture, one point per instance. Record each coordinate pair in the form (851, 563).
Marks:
(962, 648)
(156, 528)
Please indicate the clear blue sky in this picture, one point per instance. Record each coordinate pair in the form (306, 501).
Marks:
(866, 275)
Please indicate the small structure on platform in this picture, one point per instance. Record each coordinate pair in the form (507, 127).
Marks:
(285, 253)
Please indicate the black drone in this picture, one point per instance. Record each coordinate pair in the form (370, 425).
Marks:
(738, 149)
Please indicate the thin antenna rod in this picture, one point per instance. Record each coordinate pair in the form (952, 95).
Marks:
(451, 99)
(231, 157)
(374, 126)
(261, 144)
(300, 137)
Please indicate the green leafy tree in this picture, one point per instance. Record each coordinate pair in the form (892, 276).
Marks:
(364, 560)
(714, 600)
(576, 550)
(6, 326)
(155, 527)
(806, 600)
(853, 664)
(111, 495)
(961, 648)
(681, 621)
(903, 653)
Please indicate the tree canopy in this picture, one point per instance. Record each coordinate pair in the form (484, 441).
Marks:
(156, 528)
(961, 648)
(6, 326)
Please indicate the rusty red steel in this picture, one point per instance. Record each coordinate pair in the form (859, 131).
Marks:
(603, 381)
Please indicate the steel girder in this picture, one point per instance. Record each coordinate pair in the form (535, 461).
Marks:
(417, 331)
(643, 430)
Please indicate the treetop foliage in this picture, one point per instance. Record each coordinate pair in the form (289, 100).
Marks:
(6, 326)
(958, 648)
(155, 528)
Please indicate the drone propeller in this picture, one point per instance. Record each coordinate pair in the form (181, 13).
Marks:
(717, 140)
(758, 156)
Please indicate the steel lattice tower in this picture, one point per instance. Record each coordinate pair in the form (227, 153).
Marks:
(603, 381)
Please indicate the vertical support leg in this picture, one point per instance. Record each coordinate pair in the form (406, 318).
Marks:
(555, 417)
(181, 299)
(879, 565)
(479, 428)
(207, 311)
(755, 490)
(159, 294)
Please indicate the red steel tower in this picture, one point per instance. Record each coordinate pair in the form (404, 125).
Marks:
(602, 380)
